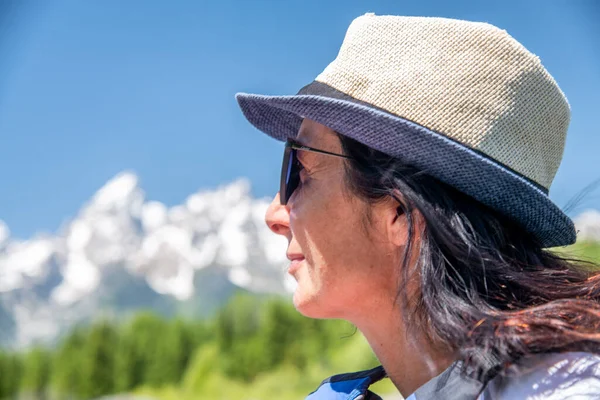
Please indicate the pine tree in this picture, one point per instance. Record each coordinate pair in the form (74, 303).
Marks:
(36, 372)
(175, 350)
(129, 364)
(10, 374)
(141, 339)
(68, 363)
(99, 361)
(4, 378)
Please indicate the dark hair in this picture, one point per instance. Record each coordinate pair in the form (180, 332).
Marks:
(488, 291)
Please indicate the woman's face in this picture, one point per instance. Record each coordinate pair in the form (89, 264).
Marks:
(341, 261)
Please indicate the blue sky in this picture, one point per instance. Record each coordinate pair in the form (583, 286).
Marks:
(92, 88)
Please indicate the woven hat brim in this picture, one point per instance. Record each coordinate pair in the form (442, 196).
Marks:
(449, 161)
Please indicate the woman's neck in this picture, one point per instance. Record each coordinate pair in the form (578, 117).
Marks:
(409, 362)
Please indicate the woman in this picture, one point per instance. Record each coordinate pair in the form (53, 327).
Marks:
(414, 196)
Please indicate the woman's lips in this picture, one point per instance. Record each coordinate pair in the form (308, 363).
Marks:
(295, 262)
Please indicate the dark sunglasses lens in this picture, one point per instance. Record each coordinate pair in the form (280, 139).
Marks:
(284, 173)
(293, 175)
(290, 176)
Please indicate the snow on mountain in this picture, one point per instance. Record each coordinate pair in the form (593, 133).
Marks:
(50, 282)
(4, 233)
(587, 225)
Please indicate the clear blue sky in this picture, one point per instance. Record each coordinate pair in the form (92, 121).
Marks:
(92, 88)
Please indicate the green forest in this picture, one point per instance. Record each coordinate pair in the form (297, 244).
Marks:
(255, 347)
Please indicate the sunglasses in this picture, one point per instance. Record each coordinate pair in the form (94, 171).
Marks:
(291, 167)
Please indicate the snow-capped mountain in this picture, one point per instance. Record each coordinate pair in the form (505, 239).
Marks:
(121, 253)
(588, 225)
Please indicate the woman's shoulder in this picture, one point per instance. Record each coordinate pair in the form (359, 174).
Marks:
(573, 375)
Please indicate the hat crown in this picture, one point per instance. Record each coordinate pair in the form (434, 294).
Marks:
(469, 81)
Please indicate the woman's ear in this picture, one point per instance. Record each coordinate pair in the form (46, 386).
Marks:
(401, 216)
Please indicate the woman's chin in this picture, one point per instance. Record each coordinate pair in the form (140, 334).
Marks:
(300, 301)
(307, 304)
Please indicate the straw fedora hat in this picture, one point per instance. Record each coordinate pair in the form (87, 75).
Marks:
(463, 101)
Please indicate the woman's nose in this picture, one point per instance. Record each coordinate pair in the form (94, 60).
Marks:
(278, 217)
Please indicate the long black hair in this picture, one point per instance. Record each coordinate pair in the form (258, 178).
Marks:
(488, 291)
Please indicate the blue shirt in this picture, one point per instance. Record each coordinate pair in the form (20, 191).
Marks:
(555, 376)
(353, 386)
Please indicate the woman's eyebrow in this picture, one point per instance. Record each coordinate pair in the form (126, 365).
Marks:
(300, 142)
